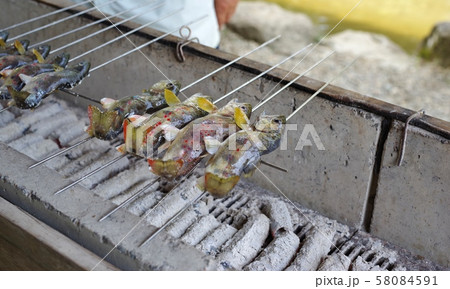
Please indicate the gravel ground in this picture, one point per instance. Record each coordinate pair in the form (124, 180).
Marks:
(383, 70)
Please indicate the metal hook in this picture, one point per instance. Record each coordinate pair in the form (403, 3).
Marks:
(186, 39)
(405, 132)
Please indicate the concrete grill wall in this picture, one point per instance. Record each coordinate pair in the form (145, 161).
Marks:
(341, 182)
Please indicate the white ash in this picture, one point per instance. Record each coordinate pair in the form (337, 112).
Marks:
(80, 163)
(279, 216)
(145, 202)
(362, 265)
(69, 132)
(5, 117)
(278, 254)
(174, 202)
(46, 126)
(211, 243)
(186, 219)
(105, 173)
(315, 247)
(40, 149)
(118, 188)
(245, 244)
(12, 131)
(200, 230)
(341, 259)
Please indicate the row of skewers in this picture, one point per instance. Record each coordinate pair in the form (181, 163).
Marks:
(173, 136)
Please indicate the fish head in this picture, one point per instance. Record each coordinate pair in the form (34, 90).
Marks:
(230, 108)
(103, 125)
(60, 60)
(43, 50)
(4, 36)
(270, 123)
(159, 87)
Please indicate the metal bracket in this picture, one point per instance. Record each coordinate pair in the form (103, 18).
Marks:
(419, 113)
(186, 39)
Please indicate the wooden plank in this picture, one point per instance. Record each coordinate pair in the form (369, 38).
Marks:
(28, 244)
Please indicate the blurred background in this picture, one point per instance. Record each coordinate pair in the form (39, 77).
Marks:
(404, 45)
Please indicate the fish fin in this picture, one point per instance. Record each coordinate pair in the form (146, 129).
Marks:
(107, 103)
(240, 118)
(25, 78)
(90, 129)
(171, 98)
(206, 105)
(219, 187)
(170, 131)
(19, 47)
(57, 67)
(2, 43)
(38, 55)
(11, 102)
(169, 169)
(5, 73)
(211, 144)
(122, 149)
(200, 184)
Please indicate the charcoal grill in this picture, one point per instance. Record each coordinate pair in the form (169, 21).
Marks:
(350, 207)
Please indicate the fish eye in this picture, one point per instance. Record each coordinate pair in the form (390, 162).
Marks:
(170, 85)
(277, 121)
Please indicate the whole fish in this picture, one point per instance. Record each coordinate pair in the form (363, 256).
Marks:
(188, 147)
(13, 61)
(13, 78)
(144, 135)
(17, 47)
(40, 86)
(240, 153)
(107, 124)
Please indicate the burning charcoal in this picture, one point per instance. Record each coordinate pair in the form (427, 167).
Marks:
(174, 202)
(200, 229)
(179, 227)
(69, 132)
(105, 173)
(118, 188)
(341, 259)
(41, 149)
(5, 117)
(278, 254)
(211, 244)
(145, 202)
(245, 244)
(279, 215)
(315, 247)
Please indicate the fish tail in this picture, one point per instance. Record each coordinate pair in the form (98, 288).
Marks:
(169, 169)
(219, 187)
(19, 97)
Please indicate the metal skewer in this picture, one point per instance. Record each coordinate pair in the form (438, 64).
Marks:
(147, 43)
(115, 39)
(5, 109)
(90, 174)
(95, 23)
(45, 15)
(263, 73)
(320, 89)
(152, 236)
(62, 20)
(130, 199)
(292, 81)
(61, 152)
(79, 95)
(231, 62)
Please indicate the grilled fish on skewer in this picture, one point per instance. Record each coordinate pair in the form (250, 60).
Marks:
(14, 80)
(108, 124)
(38, 87)
(143, 135)
(240, 153)
(183, 154)
(13, 61)
(17, 47)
